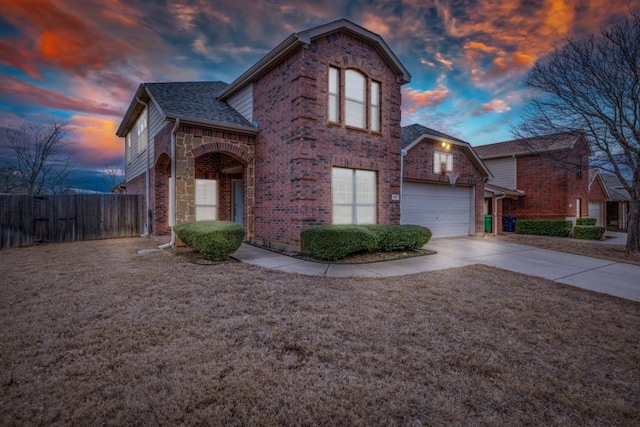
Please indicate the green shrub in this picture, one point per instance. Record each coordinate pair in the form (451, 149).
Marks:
(586, 221)
(588, 232)
(213, 240)
(394, 237)
(334, 242)
(543, 227)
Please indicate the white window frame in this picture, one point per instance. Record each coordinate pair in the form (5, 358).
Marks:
(333, 107)
(141, 127)
(206, 203)
(360, 189)
(439, 158)
(355, 99)
(374, 108)
(128, 147)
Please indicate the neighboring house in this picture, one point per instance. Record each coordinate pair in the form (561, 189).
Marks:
(598, 197)
(308, 135)
(538, 178)
(429, 198)
(617, 211)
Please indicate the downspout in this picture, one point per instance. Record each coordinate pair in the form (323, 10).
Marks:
(147, 227)
(172, 188)
(403, 153)
(495, 212)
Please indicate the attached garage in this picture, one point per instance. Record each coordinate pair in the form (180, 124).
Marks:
(447, 211)
(596, 211)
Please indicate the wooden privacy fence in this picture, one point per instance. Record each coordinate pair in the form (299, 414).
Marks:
(25, 220)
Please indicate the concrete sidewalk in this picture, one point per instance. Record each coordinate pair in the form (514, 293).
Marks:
(604, 276)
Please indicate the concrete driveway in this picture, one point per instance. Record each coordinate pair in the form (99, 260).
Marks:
(609, 277)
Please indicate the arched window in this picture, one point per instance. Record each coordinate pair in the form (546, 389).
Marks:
(360, 96)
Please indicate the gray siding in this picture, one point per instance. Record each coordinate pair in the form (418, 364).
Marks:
(242, 102)
(136, 163)
(503, 171)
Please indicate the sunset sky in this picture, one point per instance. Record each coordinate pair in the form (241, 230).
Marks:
(80, 61)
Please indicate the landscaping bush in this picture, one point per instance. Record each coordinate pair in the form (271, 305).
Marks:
(394, 237)
(588, 232)
(586, 221)
(212, 240)
(543, 227)
(334, 242)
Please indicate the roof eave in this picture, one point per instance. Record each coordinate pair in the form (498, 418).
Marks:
(296, 40)
(476, 159)
(248, 130)
(129, 117)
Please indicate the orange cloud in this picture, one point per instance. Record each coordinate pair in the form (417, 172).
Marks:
(96, 140)
(412, 99)
(24, 93)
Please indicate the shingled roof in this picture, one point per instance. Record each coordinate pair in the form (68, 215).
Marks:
(615, 187)
(412, 132)
(192, 101)
(525, 146)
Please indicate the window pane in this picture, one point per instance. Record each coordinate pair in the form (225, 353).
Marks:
(206, 199)
(449, 162)
(355, 100)
(354, 85)
(366, 187)
(342, 215)
(342, 184)
(334, 98)
(354, 114)
(375, 107)
(366, 215)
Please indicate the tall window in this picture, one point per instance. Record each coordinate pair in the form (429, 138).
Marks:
(374, 116)
(355, 102)
(442, 160)
(354, 196)
(361, 100)
(334, 95)
(127, 149)
(206, 199)
(141, 126)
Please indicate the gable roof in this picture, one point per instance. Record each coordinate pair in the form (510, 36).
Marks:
(596, 177)
(615, 188)
(528, 146)
(304, 38)
(189, 101)
(413, 134)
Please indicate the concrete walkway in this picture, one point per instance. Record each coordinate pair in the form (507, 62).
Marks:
(609, 277)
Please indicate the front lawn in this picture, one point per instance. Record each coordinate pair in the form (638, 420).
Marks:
(93, 334)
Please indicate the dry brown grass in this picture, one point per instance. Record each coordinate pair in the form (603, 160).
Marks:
(94, 334)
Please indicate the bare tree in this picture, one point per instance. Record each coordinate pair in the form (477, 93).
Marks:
(592, 85)
(40, 157)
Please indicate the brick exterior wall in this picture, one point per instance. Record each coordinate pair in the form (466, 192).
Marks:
(418, 166)
(297, 147)
(551, 188)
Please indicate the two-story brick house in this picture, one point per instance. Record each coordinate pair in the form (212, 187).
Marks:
(538, 178)
(308, 135)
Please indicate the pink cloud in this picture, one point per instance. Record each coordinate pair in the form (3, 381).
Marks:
(497, 105)
(96, 140)
(413, 99)
(27, 94)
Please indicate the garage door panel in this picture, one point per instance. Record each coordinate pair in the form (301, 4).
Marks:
(443, 209)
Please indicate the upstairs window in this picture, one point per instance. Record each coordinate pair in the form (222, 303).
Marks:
(127, 149)
(141, 127)
(360, 102)
(334, 95)
(442, 162)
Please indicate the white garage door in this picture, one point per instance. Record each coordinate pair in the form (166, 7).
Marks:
(444, 209)
(595, 211)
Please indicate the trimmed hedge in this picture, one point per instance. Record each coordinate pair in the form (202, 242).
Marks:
(212, 240)
(394, 237)
(588, 232)
(586, 221)
(334, 242)
(543, 227)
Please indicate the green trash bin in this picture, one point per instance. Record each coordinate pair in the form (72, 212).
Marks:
(488, 220)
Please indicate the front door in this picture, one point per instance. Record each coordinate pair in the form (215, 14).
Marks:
(238, 201)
